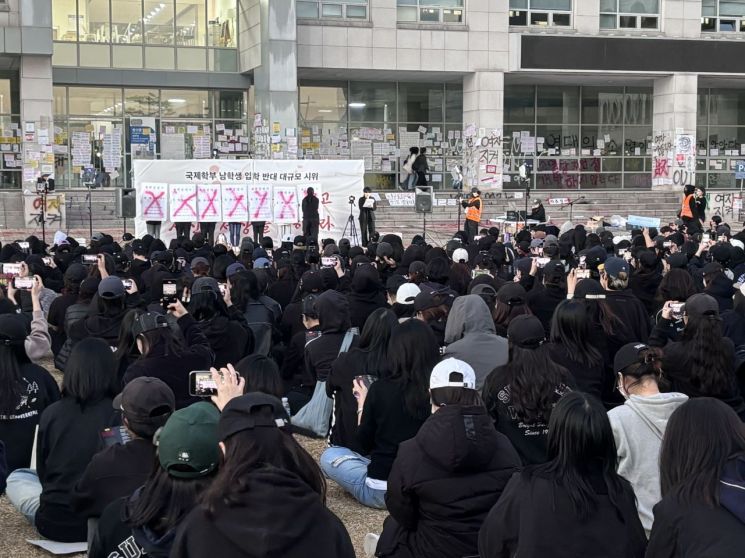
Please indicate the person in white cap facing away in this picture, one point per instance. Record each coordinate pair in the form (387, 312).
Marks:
(445, 480)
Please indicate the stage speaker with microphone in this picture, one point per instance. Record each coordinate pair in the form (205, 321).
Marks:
(423, 199)
(126, 203)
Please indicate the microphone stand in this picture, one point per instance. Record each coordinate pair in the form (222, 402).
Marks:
(570, 205)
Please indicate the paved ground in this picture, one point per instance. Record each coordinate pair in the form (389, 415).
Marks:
(358, 519)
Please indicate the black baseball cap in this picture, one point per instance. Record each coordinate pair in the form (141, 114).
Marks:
(111, 287)
(589, 289)
(526, 331)
(148, 321)
(253, 410)
(627, 355)
(702, 304)
(511, 294)
(146, 402)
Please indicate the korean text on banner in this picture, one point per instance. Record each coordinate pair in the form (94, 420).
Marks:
(209, 203)
(285, 205)
(182, 202)
(235, 203)
(260, 200)
(154, 201)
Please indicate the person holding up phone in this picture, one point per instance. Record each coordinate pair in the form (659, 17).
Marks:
(165, 356)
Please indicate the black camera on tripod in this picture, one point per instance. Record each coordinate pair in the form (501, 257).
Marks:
(351, 200)
(44, 184)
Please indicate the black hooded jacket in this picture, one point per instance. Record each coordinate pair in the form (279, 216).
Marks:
(720, 287)
(321, 352)
(367, 295)
(443, 484)
(229, 340)
(278, 515)
(632, 314)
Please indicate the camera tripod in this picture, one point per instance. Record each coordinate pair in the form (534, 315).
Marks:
(351, 226)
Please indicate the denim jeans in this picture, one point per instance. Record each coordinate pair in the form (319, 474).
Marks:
(411, 181)
(349, 470)
(235, 233)
(23, 491)
(153, 229)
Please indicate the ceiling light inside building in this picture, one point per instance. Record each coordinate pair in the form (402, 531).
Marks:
(357, 105)
(177, 101)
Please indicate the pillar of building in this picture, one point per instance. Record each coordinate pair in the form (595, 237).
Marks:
(682, 19)
(275, 80)
(674, 129)
(587, 18)
(483, 115)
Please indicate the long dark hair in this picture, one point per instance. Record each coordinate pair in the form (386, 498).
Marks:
(126, 345)
(91, 372)
(709, 360)
(244, 288)
(701, 436)
(603, 318)
(373, 344)
(12, 357)
(580, 444)
(250, 450)
(261, 374)
(532, 378)
(413, 353)
(163, 336)
(648, 366)
(677, 284)
(164, 501)
(206, 305)
(571, 327)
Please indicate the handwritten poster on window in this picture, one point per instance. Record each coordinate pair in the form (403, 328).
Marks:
(209, 203)
(260, 201)
(235, 203)
(154, 201)
(285, 205)
(182, 202)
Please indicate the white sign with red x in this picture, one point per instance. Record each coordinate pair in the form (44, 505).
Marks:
(285, 205)
(235, 203)
(183, 203)
(260, 202)
(209, 203)
(154, 201)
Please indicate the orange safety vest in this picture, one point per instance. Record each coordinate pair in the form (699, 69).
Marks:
(685, 210)
(473, 213)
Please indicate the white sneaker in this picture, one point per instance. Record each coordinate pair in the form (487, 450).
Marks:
(370, 545)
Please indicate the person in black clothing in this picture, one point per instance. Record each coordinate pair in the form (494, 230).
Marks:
(74, 275)
(293, 364)
(368, 359)
(543, 300)
(537, 211)
(183, 230)
(702, 363)
(645, 281)
(261, 374)
(69, 437)
(614, 277)
(311, 216)
(111, 306)
(367, 295)
(390, 411)
(225, 328)
(26, 390)
(164, 356)
(572, 347)
(145, 523)
(442, 487)
(421, 167)
(321, 351)
(118, 470)
(521, 395)
(368, 206)
(702, 465)
(699, 199)
(576, 504)
(277, 507)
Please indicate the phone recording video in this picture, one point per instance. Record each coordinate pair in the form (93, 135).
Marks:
(90, 259)
(170, 293)
(328, 261)
(201, 384)
(23, 283)
(11, 269)
(582, 274)
(677, 309)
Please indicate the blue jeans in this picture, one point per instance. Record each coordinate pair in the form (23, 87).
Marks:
(23, 491)
(235, 233)
(349, 470)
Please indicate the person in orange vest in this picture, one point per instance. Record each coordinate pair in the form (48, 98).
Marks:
(473, 214)
(688, 211)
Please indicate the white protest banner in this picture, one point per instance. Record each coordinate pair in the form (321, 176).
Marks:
(154, 201)
(209, 203)
(285, 205)
(235, 203)
(340, 179)
(182, 202)
(260, 200)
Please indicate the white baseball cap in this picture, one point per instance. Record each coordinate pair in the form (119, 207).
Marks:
(461, 254)
(440, 376)
(406, 293)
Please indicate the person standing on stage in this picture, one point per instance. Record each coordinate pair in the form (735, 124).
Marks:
(700, 210)
(368, 205)
(311, 218)
(235, 233)
(258, 230)
(473, 214)
(208, 230)
(183, 230)
(408, 176)
(421, 167)
(153, 228)
(688, 211)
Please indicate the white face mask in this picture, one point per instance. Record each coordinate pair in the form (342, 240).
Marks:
(621, 388)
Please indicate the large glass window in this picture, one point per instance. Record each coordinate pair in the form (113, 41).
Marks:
(126, 22)
(629, 14)
(93, 21)
(720, 136)
(430, 11)
(723, 15)
(65, 20)
(332, 9)
(221, 20)
(190, 23)
(541, 13)
(578, 137)
(378, 122)
(159, 29)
